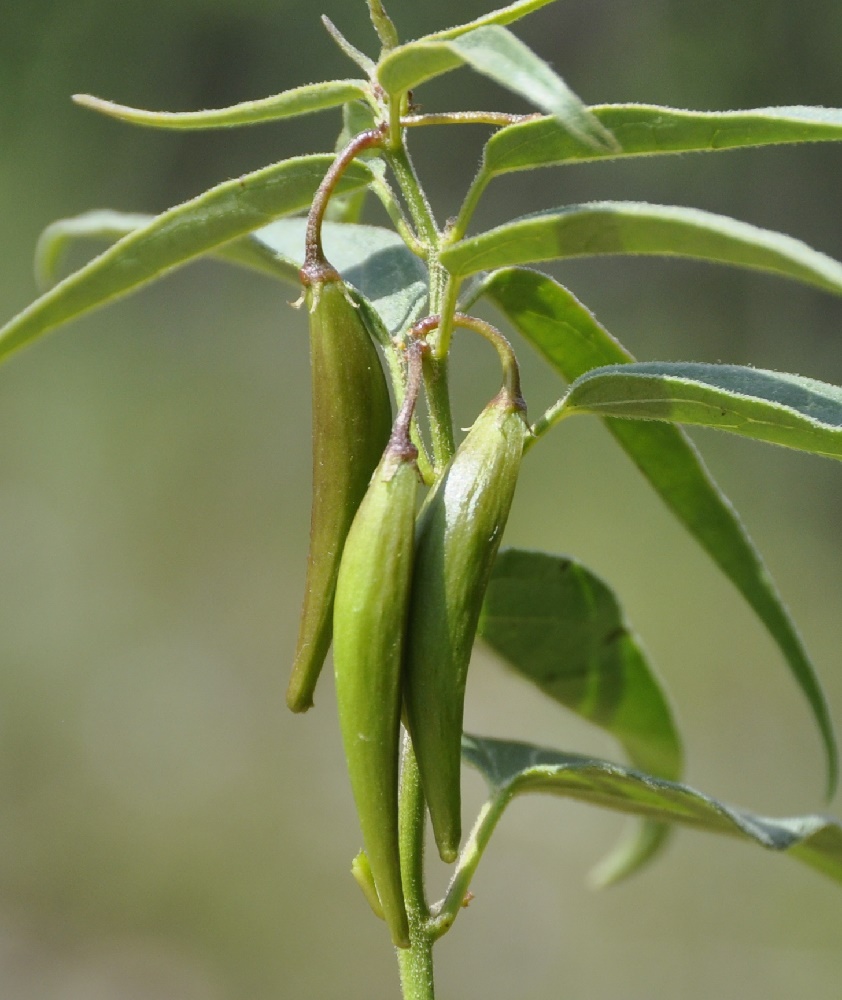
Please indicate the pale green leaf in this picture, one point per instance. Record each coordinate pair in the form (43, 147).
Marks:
(299, 101)
(498, 54)
(568, 336)
(611, 227)
(645, 130)
(108, 226)
(373, 260)
(189, 230)
(789, 410)
(505, 15)
(517, 768)
(560, 627)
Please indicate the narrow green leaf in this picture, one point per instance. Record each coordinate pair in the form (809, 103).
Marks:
(560, 627)
(299, 101)
(100, 224)
(517, 768)
(498, 54)
(390, 279)
(788, 410)
(189, 230)
(616, 227)
(647, 130)
(570, 339)
(108, 226)
(505, 15)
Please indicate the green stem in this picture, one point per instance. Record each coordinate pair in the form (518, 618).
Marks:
(478, 185)
(498, 119)
(438, 404)
(416, 962)
(435, 368)
(419, 207)
(554, 415)
(416, 968)
(388, 200)
(469, 859)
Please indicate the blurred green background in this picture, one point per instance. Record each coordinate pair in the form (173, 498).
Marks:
(167, 828)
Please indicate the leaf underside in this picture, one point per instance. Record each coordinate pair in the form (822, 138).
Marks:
(495, 52)
(196, 227)
(566, 334)
(512, 769)
(788, 410)
(559, 626)
(375, 261)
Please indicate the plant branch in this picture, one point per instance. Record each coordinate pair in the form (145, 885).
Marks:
(456, 896)
(496, 118)
(416, 962)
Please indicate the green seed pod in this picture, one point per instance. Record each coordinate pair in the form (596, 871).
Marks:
(369, 621)
(457, 538)
(351, 423)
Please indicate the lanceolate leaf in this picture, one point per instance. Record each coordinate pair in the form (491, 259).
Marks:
(561, 627)
(505, 15)
(646, 130)
(496, 53)
(516, 768)
(189, 230)
(375, 261)
(616, 227)
(299, 101)
(106, 225)
(568, 336)
(789, 410)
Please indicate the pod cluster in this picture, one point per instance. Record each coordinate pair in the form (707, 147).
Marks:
(399, 594)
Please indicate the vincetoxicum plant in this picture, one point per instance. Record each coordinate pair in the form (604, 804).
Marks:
(414, 590)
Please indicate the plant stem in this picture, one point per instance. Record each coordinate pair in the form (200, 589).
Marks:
(435, 368)
(469, 858)
(416, 969)
(416, 962)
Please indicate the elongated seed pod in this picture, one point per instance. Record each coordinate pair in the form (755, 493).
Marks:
(457, 538)
(351, 425)
(372, 599)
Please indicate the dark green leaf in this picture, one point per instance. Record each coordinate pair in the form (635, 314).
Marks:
(516, 768)
(636, 228)
(561, 627)
(189, 230)
(789, 410)
(568, 336)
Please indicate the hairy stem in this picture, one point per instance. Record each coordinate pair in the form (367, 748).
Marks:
(314, 258)
(416, 962)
